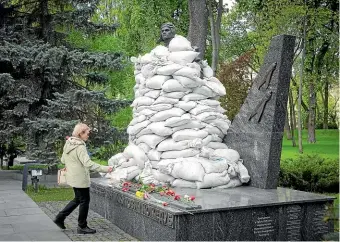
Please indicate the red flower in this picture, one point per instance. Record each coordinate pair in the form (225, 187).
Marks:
(126, 184)
(170, 192)
(152, 185)
(192, 198)
(177, 197)
(125, 189)
(165, 204)
(162, 193)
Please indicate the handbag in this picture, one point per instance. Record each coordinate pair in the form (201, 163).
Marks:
(62, 177)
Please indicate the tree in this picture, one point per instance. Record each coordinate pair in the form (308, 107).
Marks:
(38, 72)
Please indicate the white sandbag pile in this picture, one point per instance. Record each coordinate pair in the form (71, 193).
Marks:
(178, 125)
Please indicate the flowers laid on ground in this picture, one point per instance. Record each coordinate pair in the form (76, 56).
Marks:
(144, 191)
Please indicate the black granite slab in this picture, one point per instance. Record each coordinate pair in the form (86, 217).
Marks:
(242, 213)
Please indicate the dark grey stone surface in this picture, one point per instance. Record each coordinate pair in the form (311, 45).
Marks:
(242, 213)
(256, 131)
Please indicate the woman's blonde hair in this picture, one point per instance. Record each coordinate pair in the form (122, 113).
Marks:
(79, 128)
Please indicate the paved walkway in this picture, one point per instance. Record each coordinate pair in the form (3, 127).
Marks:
(21, 219)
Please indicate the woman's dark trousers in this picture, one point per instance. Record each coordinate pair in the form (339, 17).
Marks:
(81, 198)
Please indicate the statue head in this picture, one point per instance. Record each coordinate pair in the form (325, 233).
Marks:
(167, 33)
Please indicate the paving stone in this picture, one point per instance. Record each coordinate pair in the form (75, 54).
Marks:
(106, 231)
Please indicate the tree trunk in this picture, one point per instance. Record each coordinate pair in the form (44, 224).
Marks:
(215, 27)
(287, 127)
(198, 15)
(325, 106)
(45, 21)
(291, 113)
(312, 113)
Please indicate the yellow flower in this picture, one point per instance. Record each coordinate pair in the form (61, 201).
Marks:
(140, 194)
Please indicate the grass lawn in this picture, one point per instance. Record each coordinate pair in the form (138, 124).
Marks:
(50, 194)
(327, 145)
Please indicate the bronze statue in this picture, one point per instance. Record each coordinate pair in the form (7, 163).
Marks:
(168, 32)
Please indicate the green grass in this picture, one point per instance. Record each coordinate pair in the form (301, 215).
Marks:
(327, 145)
(50, 194)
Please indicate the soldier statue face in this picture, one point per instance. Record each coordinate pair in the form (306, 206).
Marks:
(167, 33)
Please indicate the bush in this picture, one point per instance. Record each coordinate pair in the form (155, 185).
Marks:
(310, 173)
(105, 152)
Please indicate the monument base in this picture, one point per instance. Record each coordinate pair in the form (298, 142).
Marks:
(242, 213)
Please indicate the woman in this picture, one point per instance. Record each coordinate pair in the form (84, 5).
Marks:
(78, 165)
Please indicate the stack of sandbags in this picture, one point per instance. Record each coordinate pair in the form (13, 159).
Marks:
(178, 123)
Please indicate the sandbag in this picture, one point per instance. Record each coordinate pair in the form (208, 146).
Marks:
(176, 95)
(188, 169)
(179, 43)
(234, 182)
(206, 152)
(151, 140)
(243, 172)
(229, 154)
(157, 81)
(147, 112)
(173, 154)
(213, 130)
(148, 70)
(128, 163)
(193, 97)
(166, 165)
(209, 102)
(168, 70)
(183, 57)
(223, 125)
(213, 166)
(189, 134)
(207, 140)
(117, 159)
(154, 155)
(160, 129)
(173, 85)
(217, 145)
(193, 124)
(164, 115)
(177, 121)
(166, 100)
(213, 180)
(142, 101)
(187, 82)
(133, 151)
(186, 106)
(144, 147)
(160, 107)
(201, 109)
(162, 177)
(187, 71)
(137, 120)
(206, 91)
(171, 145)
(133, 130)
(183, 183)
(140, 78)
(153, 94)
(160, 51)
(216, 86)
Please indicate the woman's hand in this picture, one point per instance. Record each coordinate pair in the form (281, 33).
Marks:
(110, 169)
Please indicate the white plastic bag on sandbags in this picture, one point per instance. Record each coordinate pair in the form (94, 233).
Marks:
(213, 180)
(166, 100)
(173, 85)
(209, 102)
(207, 71)
(176, 95)
(154, 155)
(153, 94)
(228, 154)
(168, 69)
(160, 107)
(234, 182)
(173, 154)
(201, 109)
(159, 176)
(213, 130)
(164, 115)
(193, 124)
(223, 125)
(188, 169)
(189, 134)
(130, 162)
(216, 86)
(171, 145)
(133, 130)
(203, 90)
(214, 166)
(243, 172)
(183, 57)
(151, 140)
(156, 81)
(217, 145)
(116, 160)
(142, 101)
(166, 165)
(147, 112)
(148, 70)
(160, 129)
(144, 147)
(193, 97)
(187, 82)
(179, 43)
(183, 183)
(160, 51)
(186, 106)
(177, 121)
(133, 151)
(187, 71)
(137, 120)
(206, 152)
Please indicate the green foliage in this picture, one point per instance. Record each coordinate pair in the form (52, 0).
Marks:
(50, 194)
(122, 118)
(310, 173)
(106, 151)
